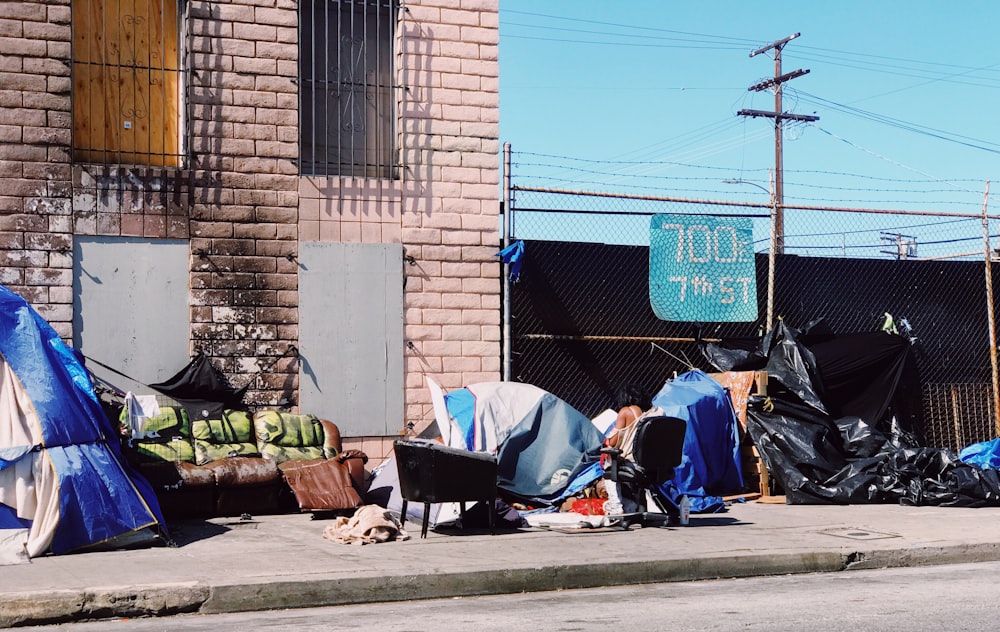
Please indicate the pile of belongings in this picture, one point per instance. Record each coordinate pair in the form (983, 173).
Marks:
(546, 450)
(548, 453)
(842, 417)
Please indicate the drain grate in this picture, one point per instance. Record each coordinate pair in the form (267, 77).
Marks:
(859, 534)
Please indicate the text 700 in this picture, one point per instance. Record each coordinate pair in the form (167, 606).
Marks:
(706, 240)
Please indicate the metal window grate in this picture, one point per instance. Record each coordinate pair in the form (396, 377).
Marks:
(347, 122)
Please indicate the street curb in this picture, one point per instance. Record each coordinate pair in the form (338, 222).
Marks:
(110, 602)
(170, 599)
(924, 556)
(25, 609)
(332, 592)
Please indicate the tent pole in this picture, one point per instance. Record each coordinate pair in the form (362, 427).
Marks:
(990, 316)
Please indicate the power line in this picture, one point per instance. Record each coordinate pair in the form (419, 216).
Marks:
(898, 164)
(905, 125)
(867, 56)
(562, 167)
(606, 161)
(603, 43)
(617, 168)
(985, 82)
(611, 34)
(848, 59)
(865, 176)
(720, 38)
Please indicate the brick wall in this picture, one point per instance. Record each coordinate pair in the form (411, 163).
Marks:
(35, 175)
(242, 205)
(236, 200)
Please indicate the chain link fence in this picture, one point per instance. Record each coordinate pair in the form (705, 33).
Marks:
(582, 322)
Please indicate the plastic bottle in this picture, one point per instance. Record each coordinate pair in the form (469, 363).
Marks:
(685, 510)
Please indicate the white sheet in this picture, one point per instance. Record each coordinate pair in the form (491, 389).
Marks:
(30, 485)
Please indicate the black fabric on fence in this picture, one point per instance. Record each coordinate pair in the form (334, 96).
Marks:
(871, 375)
(581, 326)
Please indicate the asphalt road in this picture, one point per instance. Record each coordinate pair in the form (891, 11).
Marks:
(952, 597)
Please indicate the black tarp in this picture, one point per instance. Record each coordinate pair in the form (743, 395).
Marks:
(202, 389)
(841, 421)
(871, 375)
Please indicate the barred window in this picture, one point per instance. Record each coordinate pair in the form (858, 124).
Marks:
(346, 122)
(127, 82)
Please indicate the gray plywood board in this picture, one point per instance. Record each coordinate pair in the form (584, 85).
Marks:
(130, 307)
(351, 335)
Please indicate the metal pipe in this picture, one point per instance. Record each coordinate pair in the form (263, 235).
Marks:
(777, 186)
(772, 255)
(990, 315)
(401, 12)
(956, 421)
(957, 255)
(835, 209)
(506, 210)
(627, 196)
(772, 251)
(613, 338)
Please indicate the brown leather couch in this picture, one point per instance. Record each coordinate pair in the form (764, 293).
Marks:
(270, 462)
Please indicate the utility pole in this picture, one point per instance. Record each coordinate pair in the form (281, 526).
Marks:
(779, 118)
(903, 246)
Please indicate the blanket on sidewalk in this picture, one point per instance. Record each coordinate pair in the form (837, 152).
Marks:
(370, 524)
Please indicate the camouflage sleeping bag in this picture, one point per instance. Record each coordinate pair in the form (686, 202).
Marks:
(232, 435)
(287, 436)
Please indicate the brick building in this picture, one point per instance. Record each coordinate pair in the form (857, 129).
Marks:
(306, 191)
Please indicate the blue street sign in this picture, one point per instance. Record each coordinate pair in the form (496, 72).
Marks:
(701, 268)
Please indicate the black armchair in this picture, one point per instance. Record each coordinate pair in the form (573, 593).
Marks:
(430, 472)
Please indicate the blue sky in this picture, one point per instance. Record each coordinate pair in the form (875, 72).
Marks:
(641, 97)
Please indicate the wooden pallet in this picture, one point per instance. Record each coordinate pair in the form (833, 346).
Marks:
(740, 385)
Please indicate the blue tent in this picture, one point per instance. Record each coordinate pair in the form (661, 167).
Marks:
(63, 482)
(711, 461)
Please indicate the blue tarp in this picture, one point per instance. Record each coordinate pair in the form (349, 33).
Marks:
(514, 255)
(711, 461)
(985, 454)
(98, 498)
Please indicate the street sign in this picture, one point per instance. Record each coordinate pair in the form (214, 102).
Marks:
(701, 268)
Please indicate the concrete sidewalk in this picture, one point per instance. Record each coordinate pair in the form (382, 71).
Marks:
(268, 562)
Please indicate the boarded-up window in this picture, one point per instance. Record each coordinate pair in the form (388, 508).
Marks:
(130, 306)
(345, 72)
(126, 82)
(351, 335)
